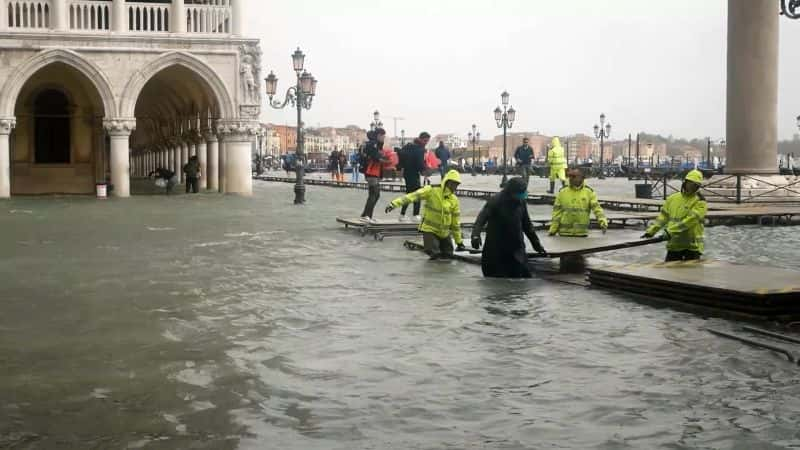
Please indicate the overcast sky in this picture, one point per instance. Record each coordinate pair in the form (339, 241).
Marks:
(650, 65)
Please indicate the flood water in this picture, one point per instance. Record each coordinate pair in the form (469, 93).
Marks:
(211, 322)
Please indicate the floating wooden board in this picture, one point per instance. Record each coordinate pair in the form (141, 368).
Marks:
(557, 246)
(732, 288)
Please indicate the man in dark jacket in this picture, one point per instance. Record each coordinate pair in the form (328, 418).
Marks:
(524, 154)
(506, 214)
(168, 177)
(412, 160)
(443, 154)
(192, 171)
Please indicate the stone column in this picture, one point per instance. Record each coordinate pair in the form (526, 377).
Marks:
(171, 160)
(176, 161)
(6, 125)
(202, 158)
(59, 17)
(238, 135)
(119, 130)
(119, 17)
(177, 22)
(213, 162)
(237, 10)
(221, 168)
(184, 158)
(752, 115)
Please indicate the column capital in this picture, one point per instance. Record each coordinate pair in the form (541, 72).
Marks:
(119, 126)
(237, 130)
(209, 135)
(7, 124)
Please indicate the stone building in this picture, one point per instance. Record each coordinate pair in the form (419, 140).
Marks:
(95, 91)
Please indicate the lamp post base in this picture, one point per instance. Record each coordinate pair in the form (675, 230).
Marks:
(504, 180)
(299, 194)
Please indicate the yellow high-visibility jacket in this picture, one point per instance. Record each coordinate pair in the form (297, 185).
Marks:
(683, 217)
(555, 156)
(441, 213)
(572, 209)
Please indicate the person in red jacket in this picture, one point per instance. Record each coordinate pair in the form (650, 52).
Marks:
(373, 172)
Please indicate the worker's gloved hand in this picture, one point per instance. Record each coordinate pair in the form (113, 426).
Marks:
(552, 233)
(476, 242)
(389, 208)
(667, 236)
(538, 247)
(646, 236)
(461, 248)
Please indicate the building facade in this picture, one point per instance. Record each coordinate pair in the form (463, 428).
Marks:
(96, 91)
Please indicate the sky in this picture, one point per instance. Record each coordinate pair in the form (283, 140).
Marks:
(441, 65)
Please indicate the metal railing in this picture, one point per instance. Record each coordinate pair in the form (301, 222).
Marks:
(789, 191)
(28, 14)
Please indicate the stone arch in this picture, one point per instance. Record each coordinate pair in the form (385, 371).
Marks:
(137, 82)
(15, 83)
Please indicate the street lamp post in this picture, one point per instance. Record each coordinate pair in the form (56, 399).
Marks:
(602, 132)
(376, 121)
(474, 137)
(505, 119)
(301, 95)
(402, 138)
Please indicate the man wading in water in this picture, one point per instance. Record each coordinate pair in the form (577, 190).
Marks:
(441, 216)
(506, 214)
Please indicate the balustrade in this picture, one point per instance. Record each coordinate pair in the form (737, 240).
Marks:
(28, 15)
(88, 15)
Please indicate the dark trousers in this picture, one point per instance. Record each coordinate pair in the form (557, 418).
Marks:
(412, 184)
(192, 183)
(437, 247)
(374, 190)
(682, 255)
(443, 168)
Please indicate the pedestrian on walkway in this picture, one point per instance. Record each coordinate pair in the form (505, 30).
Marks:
(192, 171)
(164, 178)
(355, 164)
(443, 154)
(412, 161)
(683, 219)
(342, 165)
(373, 171)
(333, 165)
(506, 214)
(441, 216)
(573, 206)
(557, 164)
(524, 155)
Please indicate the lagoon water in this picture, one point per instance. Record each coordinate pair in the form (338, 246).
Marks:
(211, 322)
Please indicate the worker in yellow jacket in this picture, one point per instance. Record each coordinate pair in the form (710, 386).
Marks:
(441, 215)
(683, 220)
(557, 164)
(573, 206)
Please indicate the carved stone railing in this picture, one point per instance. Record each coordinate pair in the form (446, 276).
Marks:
(28, 14)
(88, 15)
(212, 17)
(148, 17)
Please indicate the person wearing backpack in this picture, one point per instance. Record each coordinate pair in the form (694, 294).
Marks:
(373, 171)
(192, 171)
(412, 160)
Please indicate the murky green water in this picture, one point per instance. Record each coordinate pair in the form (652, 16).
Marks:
(214, 323)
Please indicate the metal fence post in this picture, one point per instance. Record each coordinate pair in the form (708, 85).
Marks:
(738, 189)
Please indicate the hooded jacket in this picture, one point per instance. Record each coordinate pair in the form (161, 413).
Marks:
(506, 220)
(441, 212)
(555, 156)
(572, 209)
(682, 216)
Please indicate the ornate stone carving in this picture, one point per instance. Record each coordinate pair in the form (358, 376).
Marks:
(249, 111)
(237, 130)
(119, 126)
(7, 125)
(250, 72)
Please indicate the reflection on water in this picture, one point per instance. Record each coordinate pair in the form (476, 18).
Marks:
(213, 323)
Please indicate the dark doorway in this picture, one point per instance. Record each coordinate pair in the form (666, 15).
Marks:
(52, 132)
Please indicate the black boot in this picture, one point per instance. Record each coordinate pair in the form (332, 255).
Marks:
(552, 187)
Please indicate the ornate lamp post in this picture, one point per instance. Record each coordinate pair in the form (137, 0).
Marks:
(376, 122)
(474, 137)
(790, 9)
(602, 132)
(505, 119)
(301, 95)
